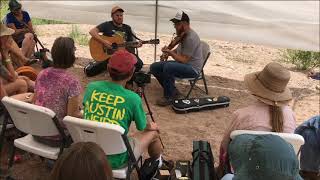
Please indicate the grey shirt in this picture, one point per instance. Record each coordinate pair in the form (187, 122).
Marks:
(191, 46)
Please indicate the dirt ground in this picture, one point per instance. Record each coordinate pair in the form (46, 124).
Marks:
(226, 67)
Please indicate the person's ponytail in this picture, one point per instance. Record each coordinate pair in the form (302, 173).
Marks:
(276, 118)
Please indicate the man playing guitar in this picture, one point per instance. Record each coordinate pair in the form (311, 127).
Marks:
(187, 59)
(116, 27)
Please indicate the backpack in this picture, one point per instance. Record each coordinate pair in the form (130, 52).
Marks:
(203, 162)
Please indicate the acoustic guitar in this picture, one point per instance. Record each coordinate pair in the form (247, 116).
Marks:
(100, 53)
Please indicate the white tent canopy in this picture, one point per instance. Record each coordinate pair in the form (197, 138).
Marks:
(286, 24)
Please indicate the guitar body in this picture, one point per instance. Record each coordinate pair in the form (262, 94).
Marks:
(99, 52)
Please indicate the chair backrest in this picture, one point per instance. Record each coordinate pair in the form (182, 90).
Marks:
(294, 139)
(205, 53)
(108, 136)
(30, 118)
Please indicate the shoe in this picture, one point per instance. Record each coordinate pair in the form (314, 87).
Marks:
(163, 102)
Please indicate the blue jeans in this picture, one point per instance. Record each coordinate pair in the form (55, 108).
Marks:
(310, 151)
(166, 71)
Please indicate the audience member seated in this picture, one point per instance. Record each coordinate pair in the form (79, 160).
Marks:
(14, 51)
(310, 151)
(82, 161)
(13, 84)
(110, 102)
(263, 157)
(56, 88)
(269, 113)
(20, 21)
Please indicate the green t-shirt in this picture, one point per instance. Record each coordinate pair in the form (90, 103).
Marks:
(111, 103)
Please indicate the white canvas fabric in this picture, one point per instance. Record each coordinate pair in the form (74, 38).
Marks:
(286, 24)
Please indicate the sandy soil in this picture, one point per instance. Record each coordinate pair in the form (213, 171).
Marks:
(224, 71)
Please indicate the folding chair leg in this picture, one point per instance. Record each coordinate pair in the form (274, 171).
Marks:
(193, 83)
(12, 156)
(205, 83)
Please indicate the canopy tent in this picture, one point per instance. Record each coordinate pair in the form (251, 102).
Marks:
(286, 24)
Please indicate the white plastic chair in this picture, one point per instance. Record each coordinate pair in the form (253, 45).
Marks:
(110, 137)
(295, 140)
(34, 120)
(205, 54)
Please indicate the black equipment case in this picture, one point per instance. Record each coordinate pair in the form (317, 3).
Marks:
(198, 104)
(95, 68)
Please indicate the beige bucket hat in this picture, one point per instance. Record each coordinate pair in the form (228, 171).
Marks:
(270, 84)
(5, 31)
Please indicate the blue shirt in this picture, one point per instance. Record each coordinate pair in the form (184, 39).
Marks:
(10, 18)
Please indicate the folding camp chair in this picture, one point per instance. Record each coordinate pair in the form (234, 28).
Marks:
(38, 121)
(295, 140)
(200, 76)
(110, 137)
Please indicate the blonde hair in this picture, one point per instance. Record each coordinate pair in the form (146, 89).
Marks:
(276, 118)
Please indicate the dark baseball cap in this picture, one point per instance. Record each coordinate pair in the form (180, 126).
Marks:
(180, 16)
(263, 157)
(14, 5)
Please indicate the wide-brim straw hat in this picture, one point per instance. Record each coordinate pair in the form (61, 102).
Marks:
(5, 31)
(270, 84)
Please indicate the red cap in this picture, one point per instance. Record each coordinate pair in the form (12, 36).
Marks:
(122, 61)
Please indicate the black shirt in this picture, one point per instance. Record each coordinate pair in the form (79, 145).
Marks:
(125, 31)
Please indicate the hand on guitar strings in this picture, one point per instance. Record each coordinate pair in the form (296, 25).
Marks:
(107, 44)
(166, 50)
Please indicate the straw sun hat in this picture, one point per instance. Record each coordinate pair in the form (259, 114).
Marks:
(5, 31)
(270, 84)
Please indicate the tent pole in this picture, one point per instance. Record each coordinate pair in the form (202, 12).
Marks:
(156, 31)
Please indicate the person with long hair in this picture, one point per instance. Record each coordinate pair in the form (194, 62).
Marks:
(20, 21)
(56, 88)
(270, 112)
(82, 161)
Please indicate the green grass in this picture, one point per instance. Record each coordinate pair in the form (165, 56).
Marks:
(37, 21)
(3, 9)
(302, 59)
(79, 37)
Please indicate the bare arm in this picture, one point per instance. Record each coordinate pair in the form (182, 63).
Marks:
(17, 31)
(2, 91)
(7, 61)
(95, 34)
(73, 108)
(30, 26)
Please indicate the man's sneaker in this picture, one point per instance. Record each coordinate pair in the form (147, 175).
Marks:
(163, 102)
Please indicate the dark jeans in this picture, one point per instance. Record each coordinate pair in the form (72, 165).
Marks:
(166, 71)
(310, 151)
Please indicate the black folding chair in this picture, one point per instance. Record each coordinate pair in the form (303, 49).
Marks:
(205, 54)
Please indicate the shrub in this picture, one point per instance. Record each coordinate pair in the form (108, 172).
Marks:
(3, 9)
(302, 59)
(37, 21)
(78, 37)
